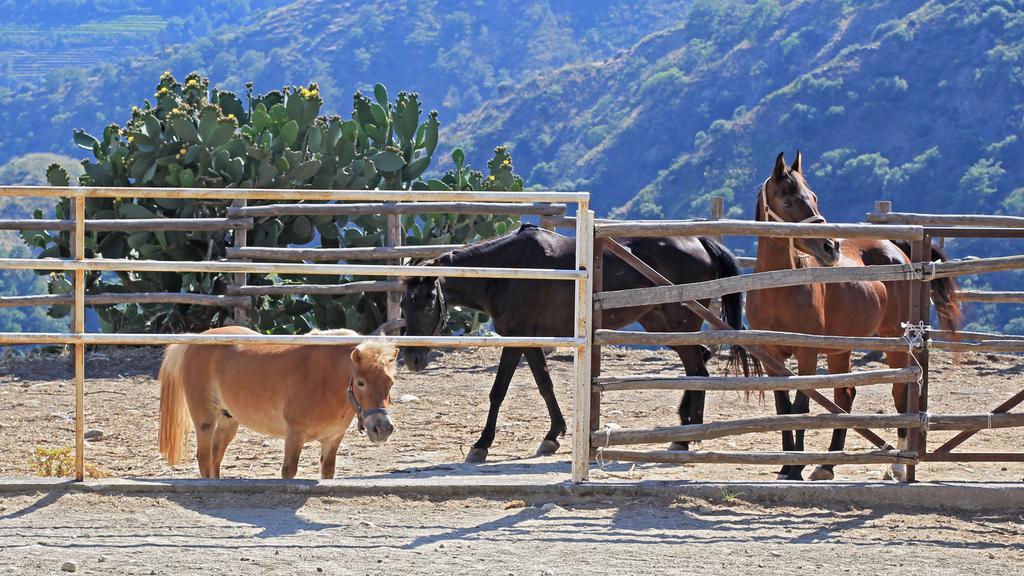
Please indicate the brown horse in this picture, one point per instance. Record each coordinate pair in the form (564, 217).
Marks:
(299, 393)
(841, 309)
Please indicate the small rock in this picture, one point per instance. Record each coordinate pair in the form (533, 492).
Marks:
(101, 559)
(69, 566)
(367, 523)
(550, 506)
(440, 546)
(265, 443)
(991, 556)
(705, 509)
(319, 569)
(244, 558)
(405, 398)
(514, 504)
(94, 434)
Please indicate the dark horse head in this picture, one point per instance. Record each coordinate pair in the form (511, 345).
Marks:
(425, 313)
(786, 197)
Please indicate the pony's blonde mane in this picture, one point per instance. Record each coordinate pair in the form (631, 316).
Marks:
(377, 353)
(372, 353)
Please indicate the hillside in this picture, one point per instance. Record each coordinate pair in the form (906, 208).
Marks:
(456, 55)
(917, 102)
(41, 40)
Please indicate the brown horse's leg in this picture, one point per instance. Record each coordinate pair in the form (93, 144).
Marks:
(899, 398)
(539, 367)
(227, 427)
(808, 365)
(837, 364)
(506, 368)
(292, 449)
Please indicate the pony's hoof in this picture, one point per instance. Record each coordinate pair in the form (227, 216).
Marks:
(547, 448)
(797, 478)
(476, 456)
(821, 473)
(897, 472)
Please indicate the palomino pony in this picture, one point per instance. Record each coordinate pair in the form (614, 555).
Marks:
(545, 308)
(299, 393)
(841, 309)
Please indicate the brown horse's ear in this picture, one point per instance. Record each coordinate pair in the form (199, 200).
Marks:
(798, 163)
(780, 167)
(356, 355)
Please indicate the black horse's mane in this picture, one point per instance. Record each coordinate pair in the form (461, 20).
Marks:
(481, 248)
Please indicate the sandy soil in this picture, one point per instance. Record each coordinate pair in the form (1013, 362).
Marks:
(36, 409)
(237, 535)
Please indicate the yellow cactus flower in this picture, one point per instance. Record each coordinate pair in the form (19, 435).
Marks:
(231, 116)
(163, 90)
(131, 138)
(183, 151)
(490, 178)
(135, 109)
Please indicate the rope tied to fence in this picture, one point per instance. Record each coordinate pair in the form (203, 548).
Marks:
(925, 420)
(913, 335)
(926, 273)
(607, 429)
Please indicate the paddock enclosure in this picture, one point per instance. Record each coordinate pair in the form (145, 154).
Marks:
(601, 373)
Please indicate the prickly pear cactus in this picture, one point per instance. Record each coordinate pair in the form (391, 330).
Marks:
(194, 137)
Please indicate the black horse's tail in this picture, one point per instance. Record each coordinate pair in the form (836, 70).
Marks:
(732, 305)
(944, 290)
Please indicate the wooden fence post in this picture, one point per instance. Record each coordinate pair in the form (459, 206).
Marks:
(393, 238)
(78, 327)
(584, 292)
(241, 240)
(921, 354)
(595, 361)
(717, 207)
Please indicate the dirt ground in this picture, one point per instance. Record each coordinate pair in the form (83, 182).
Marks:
(440, 426)
(238, 535)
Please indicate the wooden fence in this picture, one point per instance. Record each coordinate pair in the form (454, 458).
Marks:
(240, 218)
(605, 443)
(593, 241)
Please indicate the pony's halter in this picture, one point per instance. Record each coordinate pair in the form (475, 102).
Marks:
(771, 215)
(360, 413)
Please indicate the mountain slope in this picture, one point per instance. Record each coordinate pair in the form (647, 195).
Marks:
(918, 102)
(455, 54)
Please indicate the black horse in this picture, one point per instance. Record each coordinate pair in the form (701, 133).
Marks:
(546, 308)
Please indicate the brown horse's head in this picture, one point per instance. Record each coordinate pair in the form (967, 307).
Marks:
(373, 374)
(425, 314)
(786, 197)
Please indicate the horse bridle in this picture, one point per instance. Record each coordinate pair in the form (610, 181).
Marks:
(360, 413)
(442, 317)
(770, 214)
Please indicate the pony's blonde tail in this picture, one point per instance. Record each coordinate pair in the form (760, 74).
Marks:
(175, 423)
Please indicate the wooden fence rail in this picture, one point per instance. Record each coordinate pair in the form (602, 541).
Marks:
(134, 225)
(698, 432)
(348, 254)
(760, 458)
(751, 228)
(749, 337)
(272, 210)
(756, 384)
(118, 298)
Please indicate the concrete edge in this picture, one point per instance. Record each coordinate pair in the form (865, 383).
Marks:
(957, 497)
